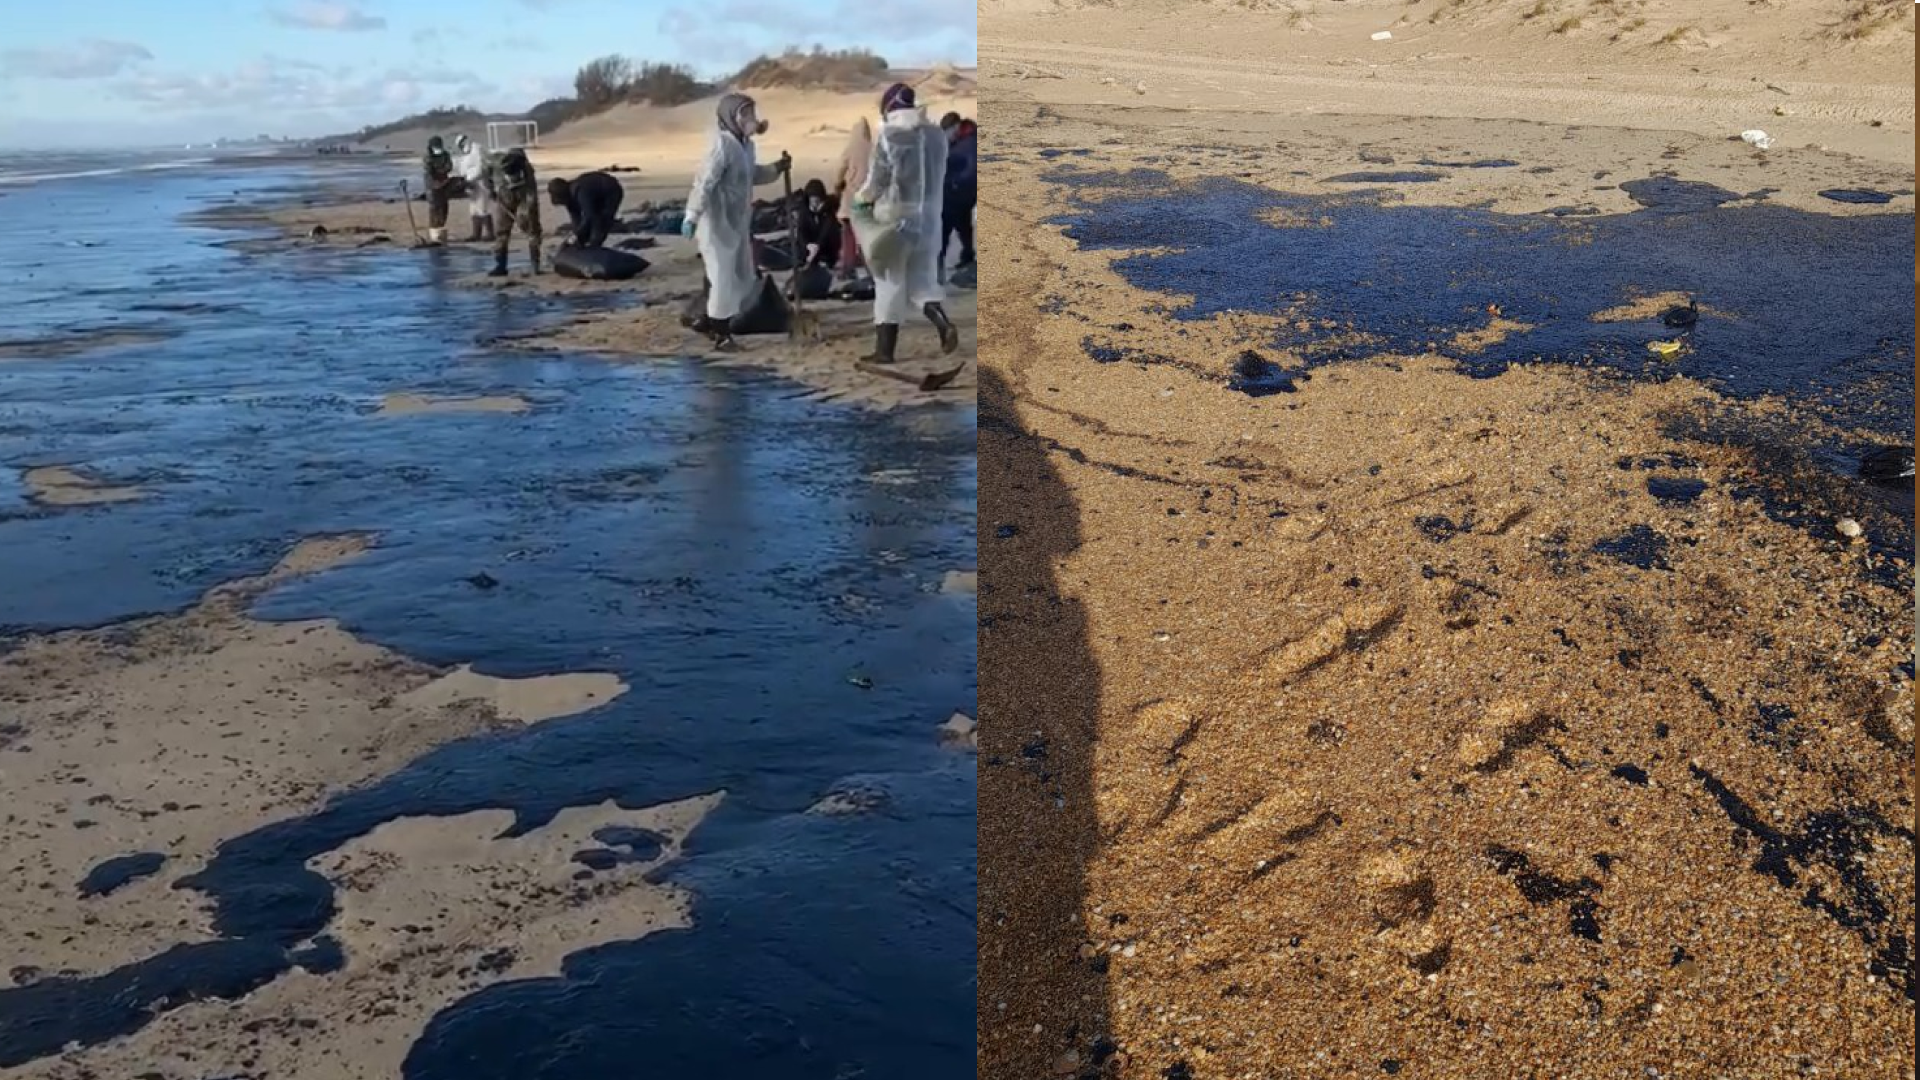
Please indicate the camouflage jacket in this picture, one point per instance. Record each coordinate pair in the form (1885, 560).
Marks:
(437, 168)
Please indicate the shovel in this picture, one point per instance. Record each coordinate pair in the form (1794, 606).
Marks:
(928, 383)
(804, 323)
(419, 241)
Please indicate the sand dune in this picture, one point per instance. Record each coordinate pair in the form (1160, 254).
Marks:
(809, 124)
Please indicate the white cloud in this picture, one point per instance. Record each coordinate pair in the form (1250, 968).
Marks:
(731, 32)
(290, 89)
(322, 15)
(92, 59)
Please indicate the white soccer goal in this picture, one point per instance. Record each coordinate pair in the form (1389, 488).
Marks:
(507, 134)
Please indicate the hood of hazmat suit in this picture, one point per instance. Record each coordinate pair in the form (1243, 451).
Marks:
(469, 159)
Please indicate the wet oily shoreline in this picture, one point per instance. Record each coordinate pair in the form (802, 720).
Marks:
(1463, 685)
(759, 575)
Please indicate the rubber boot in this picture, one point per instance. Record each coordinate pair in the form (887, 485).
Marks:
(475, 237)
(886, 337)
(949, 337)
(486, 228)
(533, 256)
(721, 331)
(499, 265)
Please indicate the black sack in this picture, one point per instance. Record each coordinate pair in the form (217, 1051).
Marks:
(768, 217)
(812, 283)
(597, 264)
(766, 311)
(855, 290)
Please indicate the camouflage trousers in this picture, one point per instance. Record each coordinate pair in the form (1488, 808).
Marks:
(517, 206)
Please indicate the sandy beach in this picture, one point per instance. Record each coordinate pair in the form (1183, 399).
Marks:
(1414, 713)
(655, 152)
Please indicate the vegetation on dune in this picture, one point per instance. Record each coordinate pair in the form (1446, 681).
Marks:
(814, 69)
(612, 80)
(453, 117)
(1867, 17)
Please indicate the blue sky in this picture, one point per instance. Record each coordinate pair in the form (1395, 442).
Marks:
(102, 73)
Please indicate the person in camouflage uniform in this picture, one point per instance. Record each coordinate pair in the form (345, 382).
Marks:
(516, 200)
(436, 167)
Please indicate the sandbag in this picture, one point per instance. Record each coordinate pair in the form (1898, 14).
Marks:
(766, 312)
(812, 283)
(597, 263)
(881, 242)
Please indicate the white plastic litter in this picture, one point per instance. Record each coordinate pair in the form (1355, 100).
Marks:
(1384, 35)
(1757, 138)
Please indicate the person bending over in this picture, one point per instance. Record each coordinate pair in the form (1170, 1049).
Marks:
(592, 202)
(436, 168)
(516, 201)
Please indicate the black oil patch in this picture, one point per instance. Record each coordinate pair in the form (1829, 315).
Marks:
(1639, 547)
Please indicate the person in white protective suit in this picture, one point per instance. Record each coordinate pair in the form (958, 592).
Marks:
(471, 161)
(897, 211)
(720, 214)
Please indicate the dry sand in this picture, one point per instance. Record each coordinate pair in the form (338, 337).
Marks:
(173, 734)
(665, 146)
(1280, 785)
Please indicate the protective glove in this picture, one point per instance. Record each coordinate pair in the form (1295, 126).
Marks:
(686, 228)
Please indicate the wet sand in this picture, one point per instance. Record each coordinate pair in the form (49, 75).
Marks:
(134, 751)
(646, 323)
(58, 485)
(1404, 723)
(173, 733)
(417, 404)
(289, 828)
(432, 910)
(77, 342)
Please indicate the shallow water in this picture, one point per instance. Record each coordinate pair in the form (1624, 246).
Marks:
(706, 534)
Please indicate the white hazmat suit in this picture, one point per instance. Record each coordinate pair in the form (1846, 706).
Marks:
(905, 180)
(720, 207)
(471, 161)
